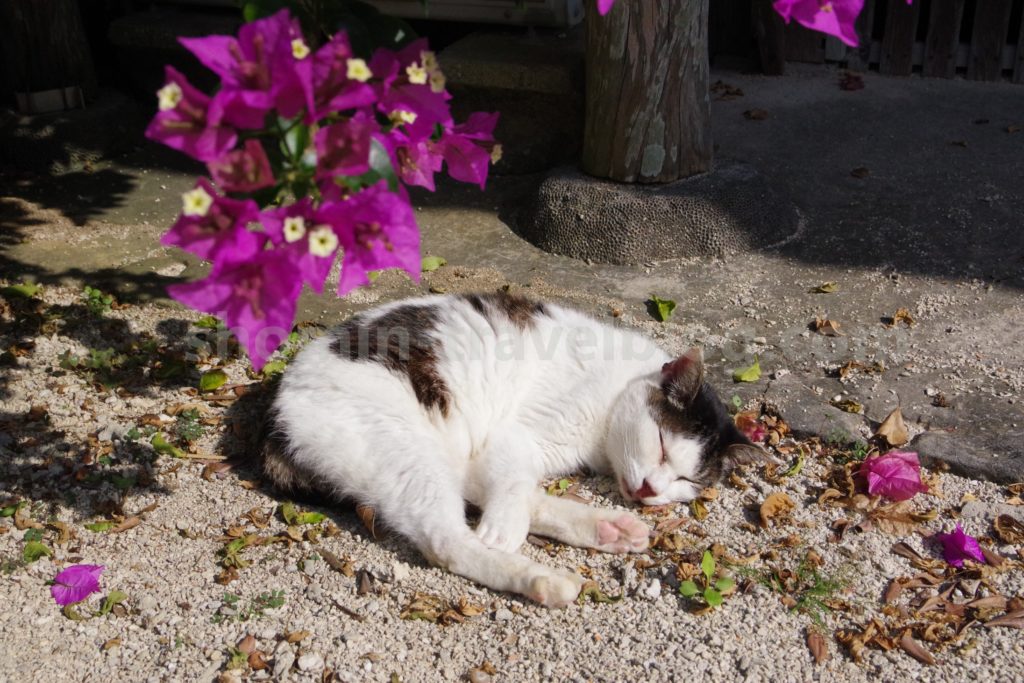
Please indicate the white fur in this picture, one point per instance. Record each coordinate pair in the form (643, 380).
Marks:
(564, 394)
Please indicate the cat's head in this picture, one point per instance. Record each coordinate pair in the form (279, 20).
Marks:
(670, 435)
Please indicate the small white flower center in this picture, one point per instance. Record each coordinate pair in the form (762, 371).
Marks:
(416, 73)
(196, 202)
(402, 116)
(294, 228)
(322, 241)
(169, 96)
(358, 71)
(299, 49)
(496, 154)
(437, 81)
(429, 60)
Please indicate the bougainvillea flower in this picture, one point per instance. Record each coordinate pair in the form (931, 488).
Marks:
(333, 90)
(414, 156)
(603, 6)
(185, 121)
(399, 89)
(958, 546)
(833, 17)
(377, 230)
(749, 422)
(255, 297)
(211, 225)
(343, 148)
(243, 170)
(305, 232)
(76, 583)
(267, 67)
(468, 149)
(895, 475)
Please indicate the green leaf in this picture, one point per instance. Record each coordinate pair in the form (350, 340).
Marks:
(209, 322)
(563, 484)
(115, 597)
(380, 163)
(724, 584)
(748, 374)
(258, 9)
(33, 535)
(161, 445)
(296, 140)
(688, 589)
(825, 288)
(24, 290)
(122, 483)
(70, 612)
(33, 550)
(288, 513)
(431, 263)
(372, 275)
(707, 564)
(310, 517)
(272, 368)
(737, 402)
(212, 379)
(795, 468)
(100, 526)
(593, 591)
(11, 509)
(661, 309)
(712, 597)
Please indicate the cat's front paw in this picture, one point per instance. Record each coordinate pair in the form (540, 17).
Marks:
(555, 589)
(623, 533)
(506, 534)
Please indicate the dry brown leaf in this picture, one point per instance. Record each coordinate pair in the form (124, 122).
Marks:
(296, 636)
(215, 470)
(227, 575)
(901, 315)
(915, 649)
(257, 660)
(777, 505)
(755, 114)
(893, 430)
(365, 583)
(368, 516)
(247, 644)
(818, 646)
(829, 328)
(469, 609)
(113, 642)
(1009, 529)
(1009, 620)
(259, 518)
(64, 532)
(345, 566)
(22, 520)
(736, 481)
(127, 524)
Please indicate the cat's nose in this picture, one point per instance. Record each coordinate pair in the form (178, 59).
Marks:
(645, 491)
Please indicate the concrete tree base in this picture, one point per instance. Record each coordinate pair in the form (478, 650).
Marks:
(730, 209)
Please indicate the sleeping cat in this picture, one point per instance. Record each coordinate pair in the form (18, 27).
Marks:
(420, 405)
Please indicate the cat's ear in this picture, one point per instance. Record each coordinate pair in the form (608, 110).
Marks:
(739, 454)
(681, 378)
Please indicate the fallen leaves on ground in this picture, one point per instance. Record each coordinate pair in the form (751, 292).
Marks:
(751, 373)
(1009, 529)
(818, 646)
(368, 517)
(725, 91)
(437, 610)
(592, 591)
(902, 315)
(776, 508)
(893, 430)
(825, 288)
(827, 327)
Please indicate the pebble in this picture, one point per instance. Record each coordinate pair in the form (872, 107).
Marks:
(311, 661)
(399, 572)
(283, 659)
(147, 604)
(653, 590)
(503, 615)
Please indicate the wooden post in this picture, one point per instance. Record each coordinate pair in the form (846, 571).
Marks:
(44, 46)
(648, 116)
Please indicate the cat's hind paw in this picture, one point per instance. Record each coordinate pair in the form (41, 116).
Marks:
(555, 589)
(624, 533)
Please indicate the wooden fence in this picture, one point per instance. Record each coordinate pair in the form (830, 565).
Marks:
(976, 39)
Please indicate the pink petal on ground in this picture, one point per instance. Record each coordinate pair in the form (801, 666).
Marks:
(76, 583)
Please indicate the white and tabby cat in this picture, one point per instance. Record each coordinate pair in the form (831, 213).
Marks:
(418, 406)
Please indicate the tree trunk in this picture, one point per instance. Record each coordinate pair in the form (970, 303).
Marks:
(44, 46)
(648, 115)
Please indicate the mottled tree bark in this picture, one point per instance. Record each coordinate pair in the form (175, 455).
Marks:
(648, 118)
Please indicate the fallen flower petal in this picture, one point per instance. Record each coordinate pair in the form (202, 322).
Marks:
(76, 583)
(895, 475)
(958, 546)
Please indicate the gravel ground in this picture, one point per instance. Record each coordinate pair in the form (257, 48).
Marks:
(79, 453)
